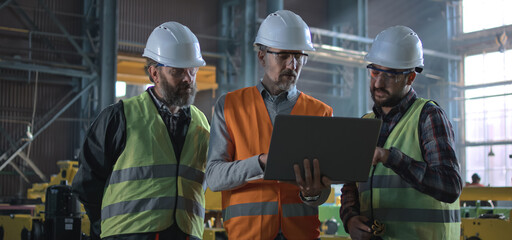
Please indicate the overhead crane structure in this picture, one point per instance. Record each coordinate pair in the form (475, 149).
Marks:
(87, 59)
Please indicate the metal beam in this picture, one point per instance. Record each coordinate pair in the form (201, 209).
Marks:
(45, 69)
(18, 170)
(434, 53)
(274, 5)
(22, 30)
(485, 85)
(33, 166)
(108, 51)
(11, 142)
(345, 36)
(5, 4)
(39, 131)
(475, 144)
(33, 27)
(69, 37)
(350, 37)
(248, 53)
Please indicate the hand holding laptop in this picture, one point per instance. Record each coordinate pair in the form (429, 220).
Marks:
(311, 185)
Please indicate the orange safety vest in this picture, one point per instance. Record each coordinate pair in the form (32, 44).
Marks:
(258, 209)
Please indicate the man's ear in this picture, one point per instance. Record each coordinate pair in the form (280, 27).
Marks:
(261, 57)
(153, 72)
(411, 77)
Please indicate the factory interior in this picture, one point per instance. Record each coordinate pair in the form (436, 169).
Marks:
(62, 62)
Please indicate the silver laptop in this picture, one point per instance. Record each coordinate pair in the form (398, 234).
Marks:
(343, 146)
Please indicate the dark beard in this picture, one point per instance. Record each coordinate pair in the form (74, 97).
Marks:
(178, 96)
(392, 101)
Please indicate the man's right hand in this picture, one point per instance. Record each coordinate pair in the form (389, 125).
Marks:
(262, 159)
(358, 229)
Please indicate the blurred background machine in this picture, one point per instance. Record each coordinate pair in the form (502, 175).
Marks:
(486, 213)
(50, 211)
(213, 217)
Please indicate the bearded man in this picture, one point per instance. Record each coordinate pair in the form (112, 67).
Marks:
(143, 159)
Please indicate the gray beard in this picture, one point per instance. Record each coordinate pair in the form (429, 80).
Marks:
(286, 85)
(178, 96)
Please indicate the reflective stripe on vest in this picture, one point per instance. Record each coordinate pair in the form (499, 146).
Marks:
(146, 204)
(259, 209)
(406, 212)
(418, 215)
(268, 208)
(155, 171)
(148, 191)
(385, 181)
(250, 209)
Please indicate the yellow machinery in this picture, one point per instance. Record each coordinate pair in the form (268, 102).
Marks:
(213, 216)
(29, 223)
(486, 224)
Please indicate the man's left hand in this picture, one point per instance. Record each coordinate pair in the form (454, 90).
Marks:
(380, 155)
(312, 184)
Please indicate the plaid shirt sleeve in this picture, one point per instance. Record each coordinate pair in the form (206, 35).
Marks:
(349, 203)
(439, 175)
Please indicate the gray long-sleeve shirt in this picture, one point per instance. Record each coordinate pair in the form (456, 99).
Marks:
(224, 174)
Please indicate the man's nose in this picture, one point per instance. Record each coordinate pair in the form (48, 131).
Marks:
(292, 63)
(187, 77)
(379, 81)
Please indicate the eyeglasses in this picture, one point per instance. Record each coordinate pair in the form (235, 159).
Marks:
(180, 73)
(285, 57)
(385, 75)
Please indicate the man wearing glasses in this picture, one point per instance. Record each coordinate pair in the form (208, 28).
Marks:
(143, 160)
(415, 183)
(240, 138)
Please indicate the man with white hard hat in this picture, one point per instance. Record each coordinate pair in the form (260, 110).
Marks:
(415, 183)
(143, 160)
(240, 138)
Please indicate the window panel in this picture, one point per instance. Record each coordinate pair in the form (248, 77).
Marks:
(496, 178)
(473, 69)
(498, 161)
(479, 15)
(488, 117)
(508, 156)
(475, 158)
(508, 117)
(508, 62)
(474, 127)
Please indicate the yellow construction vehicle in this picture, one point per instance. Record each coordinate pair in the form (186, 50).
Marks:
(485, 222)
(58, 215)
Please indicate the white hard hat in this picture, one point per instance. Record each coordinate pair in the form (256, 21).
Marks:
(285, 30)
(397, 47)
(173, 44)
